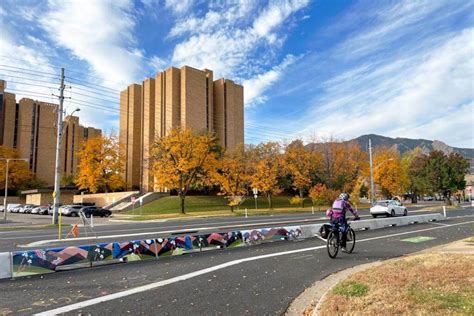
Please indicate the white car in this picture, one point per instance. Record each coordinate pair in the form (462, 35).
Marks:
(388, 208)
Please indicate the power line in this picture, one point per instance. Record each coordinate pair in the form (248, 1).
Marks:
(25, 78)
(87, 84)
(36, 71)
(69, 69)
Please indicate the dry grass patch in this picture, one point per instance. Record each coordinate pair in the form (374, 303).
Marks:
(426, 284)
(470, 240)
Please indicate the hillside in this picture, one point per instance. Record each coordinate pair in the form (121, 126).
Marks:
(405, 144)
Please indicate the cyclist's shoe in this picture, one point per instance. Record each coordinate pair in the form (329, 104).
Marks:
(344, 249)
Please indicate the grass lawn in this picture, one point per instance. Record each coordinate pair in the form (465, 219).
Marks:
(215, 205)
(426, 284)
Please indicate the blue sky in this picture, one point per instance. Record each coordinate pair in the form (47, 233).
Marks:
(310, 69)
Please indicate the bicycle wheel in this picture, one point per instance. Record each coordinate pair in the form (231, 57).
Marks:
(332, 244)
(351, 240)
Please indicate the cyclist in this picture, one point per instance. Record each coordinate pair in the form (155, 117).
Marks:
(337, 214)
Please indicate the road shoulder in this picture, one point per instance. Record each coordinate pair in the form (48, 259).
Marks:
(310, 301)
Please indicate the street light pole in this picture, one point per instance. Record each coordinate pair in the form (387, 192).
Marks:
(372, 189)
(57, 169)
(6, 186)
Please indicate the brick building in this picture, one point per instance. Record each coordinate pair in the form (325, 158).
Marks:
(185, 97)
(30, 127)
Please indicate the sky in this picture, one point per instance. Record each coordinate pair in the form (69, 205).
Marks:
(313, 70)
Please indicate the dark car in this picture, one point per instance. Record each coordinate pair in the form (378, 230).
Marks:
(95, 211)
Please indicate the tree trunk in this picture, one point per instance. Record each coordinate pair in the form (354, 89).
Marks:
(447, 198)
(302, 198)
(181, 197)
(232, 208)
(270, 202)
(414, 197)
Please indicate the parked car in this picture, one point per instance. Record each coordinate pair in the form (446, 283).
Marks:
(12, 208)
(51, 208)
(28, 208)
(40, 210)
(2, 208)
(388, 208)
(428, 198)
(85, 204)
(95, 211)
(70, 210)
(18, 208)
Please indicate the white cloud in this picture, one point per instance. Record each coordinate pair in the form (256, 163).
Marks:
(405, 97)
(256, 86)
(157, 64)
(100, 33)
(179, 6)
(272, 17)
(227, 39)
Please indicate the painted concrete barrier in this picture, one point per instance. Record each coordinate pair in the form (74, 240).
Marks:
(49, 260)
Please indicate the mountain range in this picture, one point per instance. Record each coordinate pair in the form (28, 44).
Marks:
(406, 144)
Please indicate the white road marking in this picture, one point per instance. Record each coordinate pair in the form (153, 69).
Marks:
(151, 286)
(441, 224)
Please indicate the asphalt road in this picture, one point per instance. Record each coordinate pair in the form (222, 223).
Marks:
(255, 280)
(25, 239)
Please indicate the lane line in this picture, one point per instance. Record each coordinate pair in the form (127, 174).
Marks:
(151, 286)
(441, 224)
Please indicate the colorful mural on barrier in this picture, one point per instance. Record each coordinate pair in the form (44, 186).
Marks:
(42, 261)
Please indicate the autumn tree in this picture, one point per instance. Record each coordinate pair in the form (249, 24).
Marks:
(342, 163)
(300, 164)
(182, 159)
(322, 195)
(231, 174)
(19, 174)
(388, 172)
(100, 165)
(266, 174)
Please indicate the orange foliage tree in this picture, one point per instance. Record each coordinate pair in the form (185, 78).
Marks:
(300, 164)
(182, 159)
(18, 172)
(322, 195)
(389, 172)
(100, 165)
(267, 165)
(342, 163)
(231, 174)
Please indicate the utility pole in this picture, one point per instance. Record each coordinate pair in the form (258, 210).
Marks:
(372, 189)
(57, 170)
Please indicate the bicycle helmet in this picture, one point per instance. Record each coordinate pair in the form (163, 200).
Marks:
(344, 196)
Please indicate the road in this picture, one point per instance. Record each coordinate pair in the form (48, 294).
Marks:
(255, 280)
(29, 239)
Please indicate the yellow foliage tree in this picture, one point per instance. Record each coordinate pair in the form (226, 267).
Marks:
(267, 165)
(18, 172)
(100, 165)
(389, 172)
(300, 163)
(182, 159)
(232, 176)
(342, 163)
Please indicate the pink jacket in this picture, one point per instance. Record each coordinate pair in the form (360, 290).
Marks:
(339, 209)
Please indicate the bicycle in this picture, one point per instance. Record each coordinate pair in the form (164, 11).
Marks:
(335, 239)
